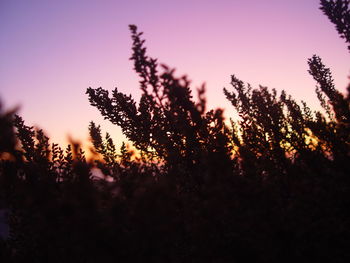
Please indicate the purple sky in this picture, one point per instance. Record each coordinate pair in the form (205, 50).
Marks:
(51, 51)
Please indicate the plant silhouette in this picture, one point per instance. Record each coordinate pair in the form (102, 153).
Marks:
(271, 186)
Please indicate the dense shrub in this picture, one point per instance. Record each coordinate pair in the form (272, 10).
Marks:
(271, 187)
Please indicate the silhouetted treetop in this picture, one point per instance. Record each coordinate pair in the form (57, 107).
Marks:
(167, 123)
(323, 77)
(338, 12)
(273, 186)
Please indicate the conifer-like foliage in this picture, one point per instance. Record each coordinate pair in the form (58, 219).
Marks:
(166, 124)
(271, 186)
(338, 12)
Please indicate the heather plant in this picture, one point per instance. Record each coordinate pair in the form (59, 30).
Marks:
(338, 12)
(276, 132)
(167, 125)
(271, 187)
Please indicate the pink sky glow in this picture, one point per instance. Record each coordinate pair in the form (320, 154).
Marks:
(52, 51)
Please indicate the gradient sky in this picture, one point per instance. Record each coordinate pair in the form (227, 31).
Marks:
(52, 51)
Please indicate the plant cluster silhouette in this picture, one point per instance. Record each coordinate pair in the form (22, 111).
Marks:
(271, 186)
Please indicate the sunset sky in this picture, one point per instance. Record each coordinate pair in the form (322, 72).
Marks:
(52, 51)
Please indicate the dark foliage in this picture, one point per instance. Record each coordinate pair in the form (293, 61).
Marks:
(338, 12)
(273, 186)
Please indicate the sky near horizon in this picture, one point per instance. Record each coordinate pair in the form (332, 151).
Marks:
(52, 51)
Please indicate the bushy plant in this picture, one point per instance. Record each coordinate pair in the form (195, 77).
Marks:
(272, 187)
